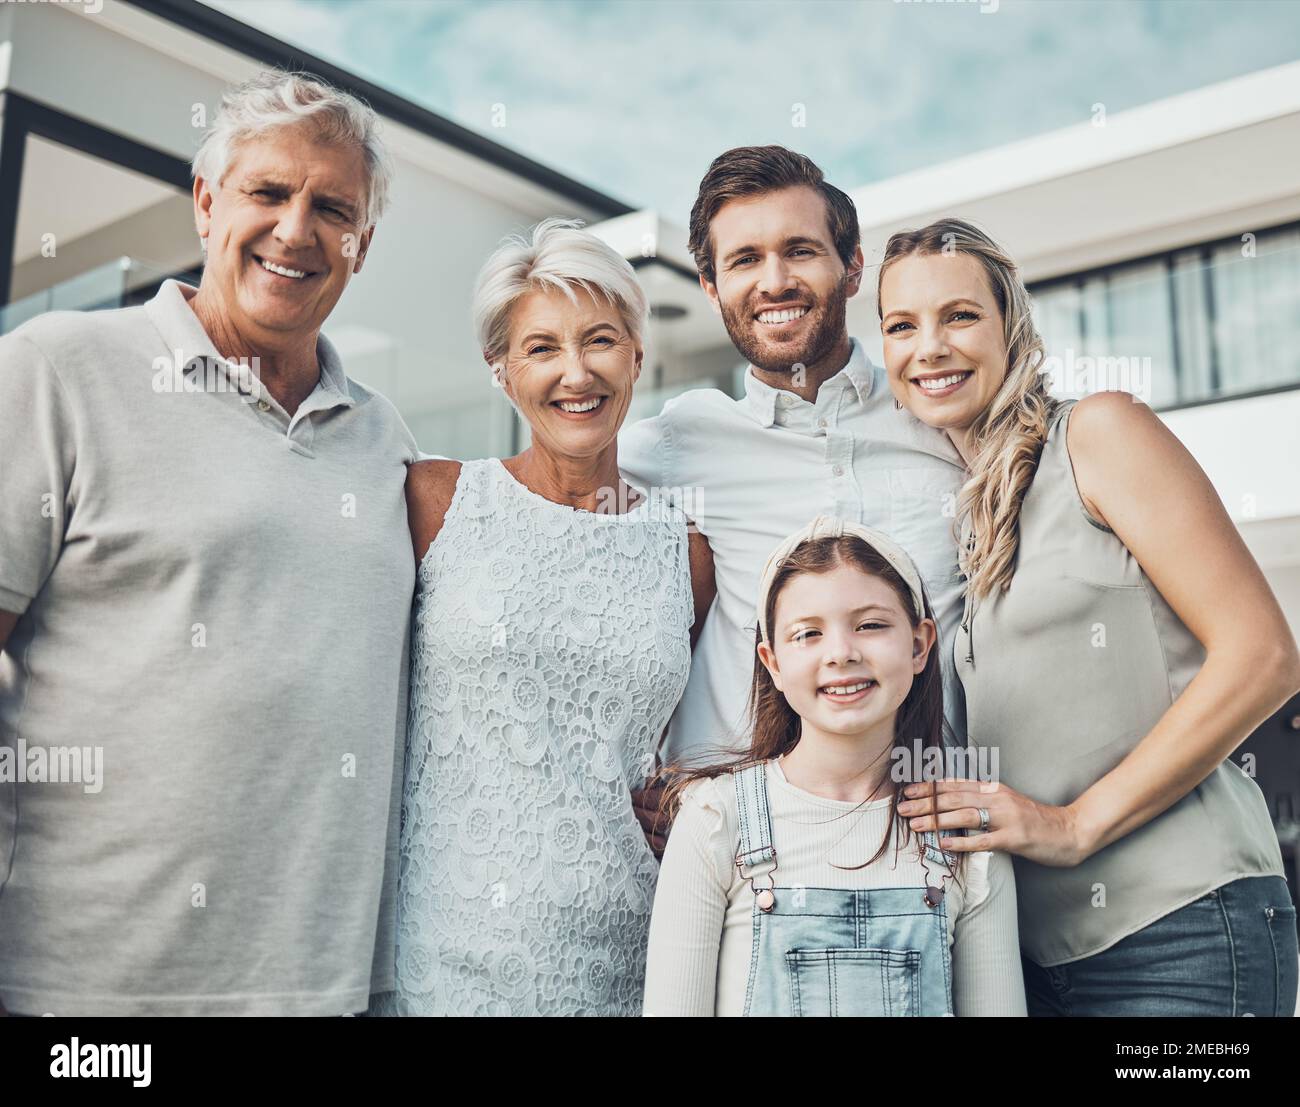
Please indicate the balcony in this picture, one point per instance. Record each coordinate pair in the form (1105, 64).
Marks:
(114, 284)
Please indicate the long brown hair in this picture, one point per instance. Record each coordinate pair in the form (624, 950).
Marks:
(775, 727)
(1008, 435)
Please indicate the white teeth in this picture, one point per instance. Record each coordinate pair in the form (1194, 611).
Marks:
(848, 689)
(588, 406)
(787, 316)
(297, 274)
(941, 382)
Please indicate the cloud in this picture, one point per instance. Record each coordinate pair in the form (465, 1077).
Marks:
(636, 98)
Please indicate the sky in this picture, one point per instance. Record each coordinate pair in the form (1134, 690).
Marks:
(636, 97)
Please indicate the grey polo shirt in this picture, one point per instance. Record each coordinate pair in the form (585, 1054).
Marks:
(215, 603)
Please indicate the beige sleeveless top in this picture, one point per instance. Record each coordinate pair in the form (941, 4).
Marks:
(1064, 674)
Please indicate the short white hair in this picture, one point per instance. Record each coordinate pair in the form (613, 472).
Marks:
(557, 254)
(276, 98)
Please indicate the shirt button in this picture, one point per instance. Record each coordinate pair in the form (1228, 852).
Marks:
(821, 423)
(262, 405)
(838, 470)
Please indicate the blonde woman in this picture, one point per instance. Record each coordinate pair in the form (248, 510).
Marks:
(1118, 644)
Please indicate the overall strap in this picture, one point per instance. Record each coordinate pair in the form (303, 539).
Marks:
(933, 850)
(755, 853)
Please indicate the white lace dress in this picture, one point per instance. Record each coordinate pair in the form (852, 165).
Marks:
(549, 648)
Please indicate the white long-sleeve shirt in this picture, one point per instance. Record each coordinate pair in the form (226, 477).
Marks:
(701, 932)
(754, 470)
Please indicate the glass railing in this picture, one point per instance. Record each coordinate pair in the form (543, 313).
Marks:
(114, 284)
(1205, 323)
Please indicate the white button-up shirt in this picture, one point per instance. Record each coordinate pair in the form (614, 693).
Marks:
(752, 471)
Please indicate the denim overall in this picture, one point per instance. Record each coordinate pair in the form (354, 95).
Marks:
(835, 951)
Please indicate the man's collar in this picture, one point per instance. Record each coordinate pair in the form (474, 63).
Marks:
(331, 370)
(858, 374)
(176, 321)
(171, 313)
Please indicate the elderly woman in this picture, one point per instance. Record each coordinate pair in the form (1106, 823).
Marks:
(555, 612)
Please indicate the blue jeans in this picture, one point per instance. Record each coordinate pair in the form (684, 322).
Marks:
(1231, 952)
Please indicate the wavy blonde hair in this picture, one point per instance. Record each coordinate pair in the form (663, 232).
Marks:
(1007, 437)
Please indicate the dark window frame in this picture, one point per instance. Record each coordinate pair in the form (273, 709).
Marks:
(1205, 249)
(22, 117)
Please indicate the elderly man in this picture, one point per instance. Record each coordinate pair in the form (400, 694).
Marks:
(205, 583)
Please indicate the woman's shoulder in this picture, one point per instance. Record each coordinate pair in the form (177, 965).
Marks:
(1058, 418)
(430, 489)
(431, 475)
(1095, 432)
(1056, 471)
(1103, 422)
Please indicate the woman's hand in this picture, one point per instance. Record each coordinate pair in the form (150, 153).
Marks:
(1017, 824)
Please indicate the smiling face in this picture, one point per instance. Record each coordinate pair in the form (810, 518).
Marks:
(285, 231)
(781, 287)
(570, 368)
(844, 653)
(945, 350)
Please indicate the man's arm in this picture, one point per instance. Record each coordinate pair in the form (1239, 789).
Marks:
(38, 449)
(641, 447)
(37, 459)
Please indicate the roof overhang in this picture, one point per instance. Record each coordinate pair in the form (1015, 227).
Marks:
(1204, 164)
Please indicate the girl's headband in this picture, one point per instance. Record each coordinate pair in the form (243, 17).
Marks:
(829, 526)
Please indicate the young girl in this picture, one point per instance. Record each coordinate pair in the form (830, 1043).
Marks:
(790, 884)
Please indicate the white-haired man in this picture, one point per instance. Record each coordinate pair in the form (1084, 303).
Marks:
(205, 583)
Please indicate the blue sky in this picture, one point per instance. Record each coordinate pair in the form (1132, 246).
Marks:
(636, 97)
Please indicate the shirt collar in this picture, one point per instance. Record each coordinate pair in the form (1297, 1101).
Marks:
(858, 374)
(171, 313)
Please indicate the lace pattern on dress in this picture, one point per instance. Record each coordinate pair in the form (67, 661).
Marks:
(549, 648)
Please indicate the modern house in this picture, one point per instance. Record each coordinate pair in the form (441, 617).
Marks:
(1162, 245)
(102, 111)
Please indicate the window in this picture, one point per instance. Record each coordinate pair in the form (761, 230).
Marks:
(1185, 327)
(88, 218)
